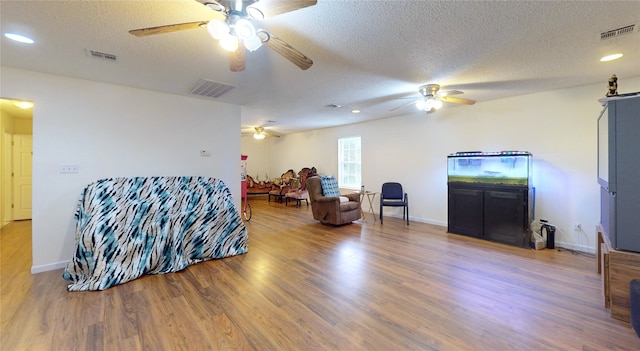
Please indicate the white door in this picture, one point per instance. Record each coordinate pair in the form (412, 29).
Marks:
(22, 155)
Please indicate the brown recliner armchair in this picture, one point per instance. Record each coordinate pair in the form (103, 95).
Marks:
(329, 209)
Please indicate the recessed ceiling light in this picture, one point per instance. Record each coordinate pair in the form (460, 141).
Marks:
(611, 57)
(355, 111)
(19, 38)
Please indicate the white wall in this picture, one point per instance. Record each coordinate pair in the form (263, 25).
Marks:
(259, 157)
(558, 127)
(111, 131)
(318, 148)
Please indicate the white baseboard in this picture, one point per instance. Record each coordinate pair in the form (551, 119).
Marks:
(49, 267)
(429, 221)
(414, 219)
(581, 248)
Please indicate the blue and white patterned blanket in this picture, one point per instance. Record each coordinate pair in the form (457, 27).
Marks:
(127, 227)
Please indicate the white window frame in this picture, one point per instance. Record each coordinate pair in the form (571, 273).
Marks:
(350, 162)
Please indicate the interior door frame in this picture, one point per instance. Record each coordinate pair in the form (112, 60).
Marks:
(7, 180)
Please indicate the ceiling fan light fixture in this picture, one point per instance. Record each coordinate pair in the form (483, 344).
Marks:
(254, 12)
(263, 35)
(252, 44)
(425, 104)
(229, 43)
(258, 136)
(428, 103)
(218, 29)
(215, 6)
(244, 29)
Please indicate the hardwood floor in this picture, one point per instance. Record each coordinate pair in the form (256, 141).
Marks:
(305, 286)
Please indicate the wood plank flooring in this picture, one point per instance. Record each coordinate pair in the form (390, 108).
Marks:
(306, 286)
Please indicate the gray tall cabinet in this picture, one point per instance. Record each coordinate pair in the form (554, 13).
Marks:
(619, 171)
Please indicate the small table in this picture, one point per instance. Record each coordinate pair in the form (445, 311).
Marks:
(371, 195)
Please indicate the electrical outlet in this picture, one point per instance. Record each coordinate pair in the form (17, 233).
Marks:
(577, 227)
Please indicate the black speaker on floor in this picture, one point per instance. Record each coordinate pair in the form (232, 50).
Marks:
(549, 232)
(635, 305)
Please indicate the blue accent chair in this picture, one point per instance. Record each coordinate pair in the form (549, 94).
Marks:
(392, 195)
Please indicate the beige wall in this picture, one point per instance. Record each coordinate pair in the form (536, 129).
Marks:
(113, 131)
(259, 157)
(558, 127)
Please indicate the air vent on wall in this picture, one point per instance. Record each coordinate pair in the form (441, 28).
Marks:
(614, 33)
(101, 55)
(210, 88)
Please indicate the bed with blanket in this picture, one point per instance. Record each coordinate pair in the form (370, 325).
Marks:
(128, 227)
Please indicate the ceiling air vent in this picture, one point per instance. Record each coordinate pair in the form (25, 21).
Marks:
(210, 88)
(614, 33)
(101, 55)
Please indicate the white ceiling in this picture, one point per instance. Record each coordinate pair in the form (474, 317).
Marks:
(367, 54)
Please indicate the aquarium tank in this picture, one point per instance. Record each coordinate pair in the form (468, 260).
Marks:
(503, 167)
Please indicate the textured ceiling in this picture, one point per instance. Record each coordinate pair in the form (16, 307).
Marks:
(367, 54)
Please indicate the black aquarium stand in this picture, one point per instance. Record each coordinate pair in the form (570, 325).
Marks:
(498, 213)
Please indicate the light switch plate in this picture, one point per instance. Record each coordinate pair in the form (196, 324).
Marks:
(68, 169)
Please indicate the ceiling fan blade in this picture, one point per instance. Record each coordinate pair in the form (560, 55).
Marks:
(237, 59)
(449, 93)
(457, 100)
(288, 52)
(270, 8)
(403, 105)
(143, 32)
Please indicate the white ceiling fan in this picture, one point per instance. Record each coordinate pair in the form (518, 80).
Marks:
(260, 133)
(432, 98)
(235, 31)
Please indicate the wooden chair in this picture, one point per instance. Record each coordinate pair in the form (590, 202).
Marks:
(299, 193)
(281, 187)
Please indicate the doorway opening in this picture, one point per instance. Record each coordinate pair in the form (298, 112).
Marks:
(16, 152)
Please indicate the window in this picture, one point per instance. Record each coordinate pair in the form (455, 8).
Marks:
(349, 166)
